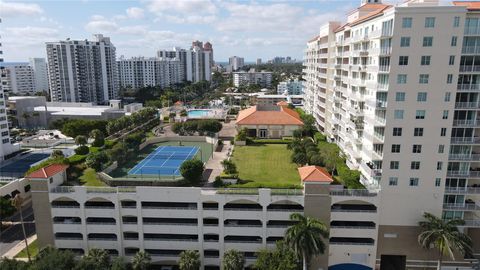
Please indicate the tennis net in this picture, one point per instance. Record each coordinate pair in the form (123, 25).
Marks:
(171, 156)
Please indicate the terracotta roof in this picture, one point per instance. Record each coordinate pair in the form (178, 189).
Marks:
(179, 103)
(314, 174)
(48, 171)
(470, 5)
(313, 39)
(282, 103)
(283, 116)
(378, 10)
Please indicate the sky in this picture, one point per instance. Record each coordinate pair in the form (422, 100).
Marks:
(250, 29)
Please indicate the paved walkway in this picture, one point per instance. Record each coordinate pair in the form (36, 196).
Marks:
(19, 247)
(214, 165)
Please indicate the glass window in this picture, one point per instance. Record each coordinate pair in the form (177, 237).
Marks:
(443, 132)
(394, 165)
(400, 96)
(398, 114)
(439, 165)
(407, 22)
(413, 181)
(429, 22)
(418, 132)
(405, 42)
(420, 114)
(425, 61)
(427, 41)
(441, 148)
(401, 78)
(438, 181)
(397, 131)
(451, 60)
(393, 181)
(449, 78)
(395, 148)
(415, 165)
(422, 96)
(423, 78)
(403, 61)
(447, 97)
(417, 148)
(453, 43)
(445, 114)
(456, 21)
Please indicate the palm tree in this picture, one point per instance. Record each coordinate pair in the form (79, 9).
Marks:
(443, 235)
(306, 237)
(233, 260)
(141, 260)
(99, 257)
(17, 202)
(189, 260)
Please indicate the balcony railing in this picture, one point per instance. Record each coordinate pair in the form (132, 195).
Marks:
(464, 157)
(463, 87)
(62, 189)
(466, 123)
(353, 193)
(469, 68)
(465, 140)
(467, 105)
(461, 206)
(471, 49)
(462, 190)
(472, 223)
(472, 174)
(352, 227)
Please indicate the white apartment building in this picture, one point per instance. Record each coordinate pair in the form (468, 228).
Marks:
(236, 62)
(17, 78)
(39, 66)
(244, 78)
(140, 72)
(290, 87)
(82, 70)
(396, 87)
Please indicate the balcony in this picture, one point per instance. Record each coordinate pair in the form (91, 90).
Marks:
(467, 105)
(461, 206)
(371, 171)
(469, 174)
(466, 157)
(470, 49)
(472, 223)
(466, 123)
(468, 87)
(465, 140)
(469, 69)
(462, 190)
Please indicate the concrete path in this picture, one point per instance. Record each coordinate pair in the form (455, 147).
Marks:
(19, 247)
(214, 165)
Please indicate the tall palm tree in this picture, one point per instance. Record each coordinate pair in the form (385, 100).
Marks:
(99, 257)
(306, 237)
(233, 260)
(189, 260)
(141, 261)
(444, 236)
(17, 202)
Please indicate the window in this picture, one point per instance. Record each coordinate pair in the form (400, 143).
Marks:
(401, 78)
(425, 60)
(443, 132)
(403, 61)
(394, 165)
(417, 149)
(413, 181)
(400, 96)
(407, 22)
(439, 165)
(422, 96)
(398, 114)
(405, 42)
(447, 97)
(393, 181)
(420, 114)
(415, 165)
(449, 78)
(445, 114)
(418, 132)
(441, 148)
(456, 21)
(438, 181)
(423, 78)
(429, 22)
(427, 41)
(395, 148)
(451, 60)
(453, 43)
(397, 131)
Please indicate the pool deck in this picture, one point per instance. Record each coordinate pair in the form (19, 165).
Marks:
(214, 114)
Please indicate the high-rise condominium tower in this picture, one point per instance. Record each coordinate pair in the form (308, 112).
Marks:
(82, 70)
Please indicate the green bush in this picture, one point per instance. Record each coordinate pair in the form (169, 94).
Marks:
(192, 171)
(76, 127)
(82, 150)
(77, 159)
(318, 137)
(96, 160)
(218, 182)
(242, 135)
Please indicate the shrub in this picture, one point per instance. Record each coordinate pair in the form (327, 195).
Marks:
(98, 138)
(81, 140)
(82, 150)
(220, 142)
(183, 113)
(96, 160)
(218, 182)
(242, 135)
(229, 167)
(318, 137)
(192, 171)
(57, 154)
(75, 127)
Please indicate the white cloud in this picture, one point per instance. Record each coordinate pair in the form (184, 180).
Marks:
(187, 19)
(135, 13)
(31, 32)
(11, 9)
(99, 24)
(184, 7)
(135, 30)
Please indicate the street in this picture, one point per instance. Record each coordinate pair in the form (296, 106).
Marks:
(13, 235)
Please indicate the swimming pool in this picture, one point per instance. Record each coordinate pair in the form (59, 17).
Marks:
(200, 113)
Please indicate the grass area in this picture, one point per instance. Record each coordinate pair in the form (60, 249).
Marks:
(89, 178)
(32, 248)
(266, 165)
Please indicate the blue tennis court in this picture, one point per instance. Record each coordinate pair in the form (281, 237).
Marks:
(165, 160)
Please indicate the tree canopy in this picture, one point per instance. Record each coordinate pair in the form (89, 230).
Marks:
(192, 171)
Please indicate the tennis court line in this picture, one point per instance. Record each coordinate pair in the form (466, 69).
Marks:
(188, 157)
(145, 160)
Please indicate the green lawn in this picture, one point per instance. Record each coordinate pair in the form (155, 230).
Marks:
(89, 178)
(266, 165)
(32, 248)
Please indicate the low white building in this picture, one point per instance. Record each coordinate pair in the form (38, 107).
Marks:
(138, 72)
(261, 78)
(290, 87)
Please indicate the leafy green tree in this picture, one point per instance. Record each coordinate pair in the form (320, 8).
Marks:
(233, 260)
(229, 167)
(242, 135)
(141, 260)
(99, 257)
(299, 158)
(96, 160)
(444, 236)
(192, 171)
(154, 103)
(12, 264)
(51, 258)
(331, 157)
(118, 153)
(177, 128)
(98, 138)
(306, 237)
(6, 208)
(80, 140)
(82, 150)
(75, 127)
(119, 264)
(134, 140)
(281, 258)
(189, 260)
(57, 153)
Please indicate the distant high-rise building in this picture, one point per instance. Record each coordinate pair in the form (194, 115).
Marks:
(290, 87)
(259, 61)
(261, 78)
(17, 78)
(140, 72)
(207, 47)
(82, 70)
(236, 62)
(39, 66)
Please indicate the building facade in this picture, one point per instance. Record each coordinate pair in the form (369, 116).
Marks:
(290, 87)
(244, 78)
(401, 100)
(40, 71)
(82, 70)
(140, 72)
(17, 78)
(236, 62)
